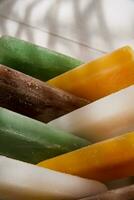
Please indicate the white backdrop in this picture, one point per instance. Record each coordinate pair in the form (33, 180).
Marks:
(81, 28)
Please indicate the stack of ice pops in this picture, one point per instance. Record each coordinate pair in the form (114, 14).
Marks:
(66, 127)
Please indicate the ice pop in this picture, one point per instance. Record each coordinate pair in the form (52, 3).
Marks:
(34, 60)
(100, 77)
(29, 140)
(105, 161)
(23, 181)
(34, 98)
(105, 118)
(125, 193)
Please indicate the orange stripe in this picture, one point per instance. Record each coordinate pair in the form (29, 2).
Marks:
(104, 161)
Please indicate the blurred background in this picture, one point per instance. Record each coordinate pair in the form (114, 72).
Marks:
(81, 28)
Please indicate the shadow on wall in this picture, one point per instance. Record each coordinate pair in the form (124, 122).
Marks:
(81, 20)
(93, 8)
(28, 12)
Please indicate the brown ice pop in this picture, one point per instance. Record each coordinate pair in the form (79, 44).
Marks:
(34, 98)
(125, 193)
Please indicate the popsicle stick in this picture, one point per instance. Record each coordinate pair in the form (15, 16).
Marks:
(125, 193)
(29, 140)
(34, 98)
(105, 161)
(108, 117)
(19, 180)
(100, 77)
(34, 60)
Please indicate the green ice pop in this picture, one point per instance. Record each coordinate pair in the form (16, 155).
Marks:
(32, 141)
(34, 60)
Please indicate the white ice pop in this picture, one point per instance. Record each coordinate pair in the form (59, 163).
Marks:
(23, 181)
(108, 117)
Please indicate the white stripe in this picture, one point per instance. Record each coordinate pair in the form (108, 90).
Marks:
(108, 117)
(19, 180)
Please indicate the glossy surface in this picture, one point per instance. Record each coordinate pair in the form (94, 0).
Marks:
(23, 181)
(106, 118)
(29, 140)
(34, 60)
(100, 77)
(105, 161)
(31, 97)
